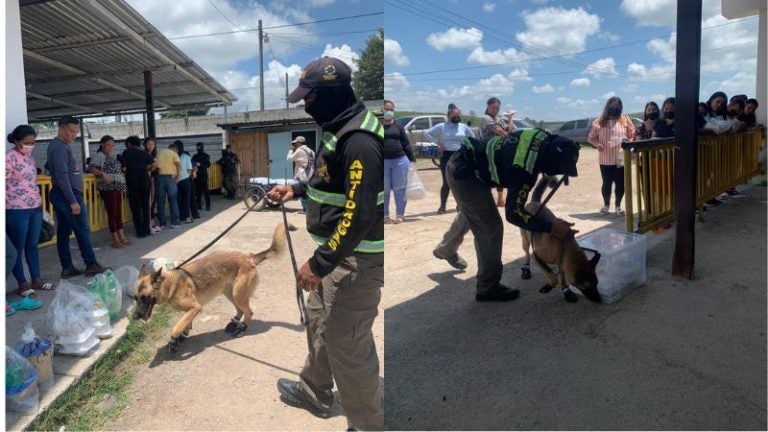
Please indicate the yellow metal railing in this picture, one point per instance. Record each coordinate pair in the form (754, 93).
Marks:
(724, 161)
(97, 215)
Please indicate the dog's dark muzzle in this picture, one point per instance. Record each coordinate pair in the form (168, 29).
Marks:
(144, 306)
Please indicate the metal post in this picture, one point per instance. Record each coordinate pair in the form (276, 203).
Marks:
(84, 141)
(150, 106)
(286, 90)
(686, 157)
(261, 68)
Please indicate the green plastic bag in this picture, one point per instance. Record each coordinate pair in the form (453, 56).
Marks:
(106, 286)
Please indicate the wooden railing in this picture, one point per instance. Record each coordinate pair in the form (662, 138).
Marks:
(724, 161)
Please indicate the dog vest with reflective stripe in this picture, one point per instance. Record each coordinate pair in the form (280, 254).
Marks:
(525, 156)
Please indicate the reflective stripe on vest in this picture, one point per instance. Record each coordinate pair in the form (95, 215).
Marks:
(526, 154)
(490, 151)
(365, 246)
(370, 123)
(334, 199)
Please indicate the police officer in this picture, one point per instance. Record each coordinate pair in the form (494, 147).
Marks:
(345, 217)
(514, 162)
(202, 161)
(228, 162)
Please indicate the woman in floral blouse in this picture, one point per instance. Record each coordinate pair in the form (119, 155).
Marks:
(111, 185)
(24, 209)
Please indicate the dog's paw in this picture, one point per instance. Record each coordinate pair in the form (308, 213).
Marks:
(173, 345)
(526, 273)
(570, 296)
(232, 326)
(545, 289)
(240, 330)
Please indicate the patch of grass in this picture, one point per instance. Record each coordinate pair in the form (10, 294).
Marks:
(76, 408)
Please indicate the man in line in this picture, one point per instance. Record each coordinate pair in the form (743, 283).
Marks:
(303, 159)
(516, 162)
(228, 164)
(67, 200)
(202, 162)
(345, 217)
(169, 172)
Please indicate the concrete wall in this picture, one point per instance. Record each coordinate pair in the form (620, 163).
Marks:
(15, 89)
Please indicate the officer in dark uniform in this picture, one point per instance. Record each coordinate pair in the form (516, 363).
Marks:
(201, 161)
(345, 217)
(514, 162)
(228, 163)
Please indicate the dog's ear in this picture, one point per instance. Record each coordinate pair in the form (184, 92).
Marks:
(156, 275)
(595, 259)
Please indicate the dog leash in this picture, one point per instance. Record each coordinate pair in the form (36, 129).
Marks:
(563, 179)
(229, 228)
(299, 292)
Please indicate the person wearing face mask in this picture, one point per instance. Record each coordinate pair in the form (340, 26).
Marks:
(23, 210)
(449, 135)
(110, 181)
(202, 161)
(651, 115)
(345, 217)
(397, 156)
(607, 133)
(491, 125)
(666, 127)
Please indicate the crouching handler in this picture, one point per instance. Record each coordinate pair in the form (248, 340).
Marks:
(345, 217)
(514, 162)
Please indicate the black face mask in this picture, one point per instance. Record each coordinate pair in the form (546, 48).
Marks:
(669, 115)
(614, 112)
(200, 150)
(653, 116)
(329, 103)
(455, 120)
(733, 113)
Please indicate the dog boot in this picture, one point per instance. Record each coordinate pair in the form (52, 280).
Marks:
(526, 272)
(570, 296)
(545, 289)
(232, 325)
(240, 330)
(173, 345)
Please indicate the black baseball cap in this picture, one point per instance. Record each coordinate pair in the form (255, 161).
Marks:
(562, 155)
(325, 72)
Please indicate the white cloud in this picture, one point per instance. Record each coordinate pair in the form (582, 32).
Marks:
(395, 83)
(489, 7)
(665, 49)
(659, 13)
(664, 73)
(602, 67)
(393, 53)
(608, 36)
(546, 88)
(344, 53)
(741, 82)
(555, 28)
(561, 88)
(455, 38)
(321, 3)
(580, 82)
(510, 55)
(246, 86)
(608, 95)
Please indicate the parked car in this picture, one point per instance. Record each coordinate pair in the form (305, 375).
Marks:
(576, 130)
(416, 126)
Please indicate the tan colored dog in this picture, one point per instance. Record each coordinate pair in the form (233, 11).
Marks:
(190, 287)
(573, 267)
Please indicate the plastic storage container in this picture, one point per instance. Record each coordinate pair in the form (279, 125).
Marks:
(622, 264)
(78, 344)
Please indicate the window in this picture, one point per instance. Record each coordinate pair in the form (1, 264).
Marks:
(420, 124)
(581, 124)
(567, 126)
(437, 120)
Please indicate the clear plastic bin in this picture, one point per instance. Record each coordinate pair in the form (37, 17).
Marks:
(622, 264)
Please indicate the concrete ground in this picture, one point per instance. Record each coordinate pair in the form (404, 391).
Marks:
(214, 382)
(675, 354)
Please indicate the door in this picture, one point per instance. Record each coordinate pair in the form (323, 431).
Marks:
(279, 144)
(251, 149)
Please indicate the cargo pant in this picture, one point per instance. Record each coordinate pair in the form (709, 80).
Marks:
(340, 339)
(477, 212)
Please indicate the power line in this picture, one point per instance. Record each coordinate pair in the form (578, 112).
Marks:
(275, 27)
(222, 14)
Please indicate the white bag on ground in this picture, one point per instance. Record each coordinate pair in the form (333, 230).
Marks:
(127, 277)
(71, 314)
(414, 189)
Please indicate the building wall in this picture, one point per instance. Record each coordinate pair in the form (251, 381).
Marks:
(15, 88)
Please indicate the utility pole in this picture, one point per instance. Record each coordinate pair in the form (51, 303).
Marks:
(261, 68)
(286, 90)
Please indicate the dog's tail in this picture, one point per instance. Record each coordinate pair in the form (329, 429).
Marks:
(278, 244)
(538, 190)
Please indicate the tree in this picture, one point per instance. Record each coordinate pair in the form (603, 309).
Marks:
(184, 113)
(368, 81)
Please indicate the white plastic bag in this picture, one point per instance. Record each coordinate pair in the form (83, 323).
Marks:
(414, 189)
(127, 277)
(72, 314)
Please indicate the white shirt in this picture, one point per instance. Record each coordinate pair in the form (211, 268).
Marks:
(302, 158)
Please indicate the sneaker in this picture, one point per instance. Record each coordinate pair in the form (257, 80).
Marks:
(500, 293)
(619, 211)
(387, 220)
(455, 261)
(293, 394)
(95, 269)
(175, 226)
(400, 219)
(604, 210)
(71, 272)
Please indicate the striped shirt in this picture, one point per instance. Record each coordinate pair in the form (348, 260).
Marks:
(611, 137)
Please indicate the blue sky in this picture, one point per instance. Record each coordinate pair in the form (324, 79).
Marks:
(233, 59)
(596, 49)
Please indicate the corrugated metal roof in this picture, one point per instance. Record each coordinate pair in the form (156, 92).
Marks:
(86, 57)
(285, 116)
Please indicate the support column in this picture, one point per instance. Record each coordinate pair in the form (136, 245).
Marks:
(150, 106)
(687, 78)
(762, 69)
(15, 87)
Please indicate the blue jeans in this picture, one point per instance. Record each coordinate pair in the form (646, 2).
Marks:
(395, 179)
(23, 228)
(66, 223)
(166, 188)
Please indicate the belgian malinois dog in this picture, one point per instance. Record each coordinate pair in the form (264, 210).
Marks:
(573, 267)
(190, 287)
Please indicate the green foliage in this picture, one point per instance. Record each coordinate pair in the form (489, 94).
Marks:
(184, 113)
(368, 81)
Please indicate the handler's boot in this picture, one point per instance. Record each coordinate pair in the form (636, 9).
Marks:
(293, 394)
(499, 293)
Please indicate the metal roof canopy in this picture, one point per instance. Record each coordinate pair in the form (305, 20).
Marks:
(88, 57)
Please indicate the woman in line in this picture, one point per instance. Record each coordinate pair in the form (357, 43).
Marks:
(24, 209)
(150, 145)
(111, 185)
(650, 119)
(608, 132)
(397, 155)
(449, 137)
(493, 125)
(187, 211)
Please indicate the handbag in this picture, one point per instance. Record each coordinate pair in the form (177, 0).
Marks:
(414, 188)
